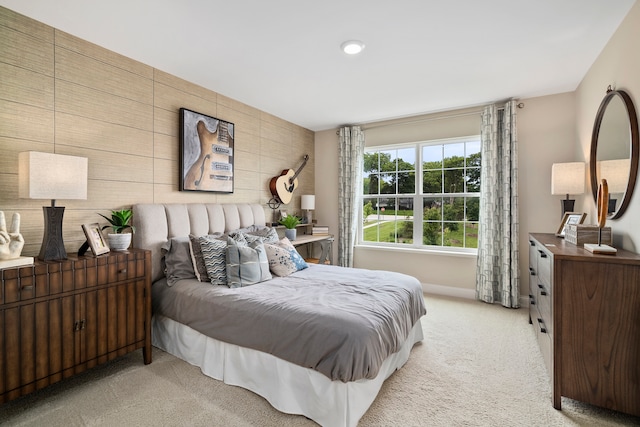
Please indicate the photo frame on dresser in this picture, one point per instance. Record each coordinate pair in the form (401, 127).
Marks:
(206, 153)
(570, 218)
(95, 239)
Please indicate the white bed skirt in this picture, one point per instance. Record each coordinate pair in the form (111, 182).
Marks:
(287, 387)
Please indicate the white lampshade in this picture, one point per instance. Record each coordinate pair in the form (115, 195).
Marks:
(308, 202)
(567, 178)
(51, 176)
(616, 172)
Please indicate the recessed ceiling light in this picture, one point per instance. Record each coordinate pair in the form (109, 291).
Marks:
(352, 47)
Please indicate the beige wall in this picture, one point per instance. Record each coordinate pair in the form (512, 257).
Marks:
(619, 66)
(61, 94)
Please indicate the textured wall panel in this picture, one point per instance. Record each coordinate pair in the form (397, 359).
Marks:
(61, 94)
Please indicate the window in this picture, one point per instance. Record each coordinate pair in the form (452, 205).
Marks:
(440, 178)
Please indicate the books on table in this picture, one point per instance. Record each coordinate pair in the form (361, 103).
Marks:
(320, 230)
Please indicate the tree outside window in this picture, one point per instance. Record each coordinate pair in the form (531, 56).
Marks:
(443, 177)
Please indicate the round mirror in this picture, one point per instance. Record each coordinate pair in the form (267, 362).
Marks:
(614, 150)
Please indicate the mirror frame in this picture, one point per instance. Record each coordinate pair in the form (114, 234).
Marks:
(633, 171)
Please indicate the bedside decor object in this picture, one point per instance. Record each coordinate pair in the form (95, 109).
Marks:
(120, 221)
(603, 204)
(567, 178)
(52, 176)
(274, 203)
(570, 218)
(206, 153)
(579, 234)
(615, 136)
(290, 222)
(11, 243)
(282, 186)
(308, 204)
(95, 240)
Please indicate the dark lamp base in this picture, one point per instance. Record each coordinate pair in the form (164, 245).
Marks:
(567, 205)
(52, 243)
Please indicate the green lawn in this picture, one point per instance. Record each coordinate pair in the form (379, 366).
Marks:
(451, 238)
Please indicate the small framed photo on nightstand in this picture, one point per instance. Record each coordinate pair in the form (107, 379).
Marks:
(95, 239)
(570, 218)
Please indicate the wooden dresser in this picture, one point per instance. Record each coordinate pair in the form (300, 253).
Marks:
(60, 318)
(586, 312)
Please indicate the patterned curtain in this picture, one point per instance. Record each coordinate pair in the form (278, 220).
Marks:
(498, 270)
(351, 149)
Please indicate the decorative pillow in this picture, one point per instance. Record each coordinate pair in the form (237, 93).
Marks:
(260, 234)
(176, 259)
(284, 259)
(199, 266)
(246, 265)
(214, 257)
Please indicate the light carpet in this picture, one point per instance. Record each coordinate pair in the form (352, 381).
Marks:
(479, 365)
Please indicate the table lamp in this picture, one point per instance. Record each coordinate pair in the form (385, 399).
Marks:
(308, 204)
(616, 172)
(567, 178)
(52, 176)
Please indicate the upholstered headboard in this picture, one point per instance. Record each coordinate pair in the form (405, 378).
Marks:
(157, 223)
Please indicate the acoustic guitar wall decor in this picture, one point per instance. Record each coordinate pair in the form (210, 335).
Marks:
(282, 186)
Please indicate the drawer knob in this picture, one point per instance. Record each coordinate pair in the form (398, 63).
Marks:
(27, 288)
(123, 271)
(542, 254)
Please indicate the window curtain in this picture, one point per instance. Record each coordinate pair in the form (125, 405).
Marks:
(350, 152)
(498, 269)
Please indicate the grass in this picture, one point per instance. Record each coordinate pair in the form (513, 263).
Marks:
(451, 238)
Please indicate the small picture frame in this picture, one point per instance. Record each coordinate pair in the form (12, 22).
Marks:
(570, 218)
(283, 214)
(95, 239)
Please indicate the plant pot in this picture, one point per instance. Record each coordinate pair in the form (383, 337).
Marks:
(119, 242)
(290, 233)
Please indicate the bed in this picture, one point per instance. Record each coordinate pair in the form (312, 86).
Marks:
(318, 341)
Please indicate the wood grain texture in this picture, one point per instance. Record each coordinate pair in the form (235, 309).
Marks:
(25, 51)
(601, 326)
(594, 348)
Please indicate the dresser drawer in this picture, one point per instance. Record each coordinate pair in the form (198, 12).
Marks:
(544, 266)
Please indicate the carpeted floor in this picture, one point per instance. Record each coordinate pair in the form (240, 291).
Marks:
(479, 365)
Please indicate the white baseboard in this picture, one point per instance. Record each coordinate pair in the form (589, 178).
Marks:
(450, 291)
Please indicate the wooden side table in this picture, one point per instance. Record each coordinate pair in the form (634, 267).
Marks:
(60, 318)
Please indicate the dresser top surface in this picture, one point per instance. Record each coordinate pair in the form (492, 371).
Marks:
(562, 249)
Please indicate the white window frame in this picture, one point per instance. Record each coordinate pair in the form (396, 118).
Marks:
(417, 197)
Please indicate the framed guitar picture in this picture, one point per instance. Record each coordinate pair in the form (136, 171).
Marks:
(206, 153)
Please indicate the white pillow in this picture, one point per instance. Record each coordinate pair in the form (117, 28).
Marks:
(283, 257)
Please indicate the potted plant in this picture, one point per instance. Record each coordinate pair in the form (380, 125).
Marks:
(119, 222)
(290, 222)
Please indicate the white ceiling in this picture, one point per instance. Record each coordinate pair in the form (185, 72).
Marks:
(283, 56)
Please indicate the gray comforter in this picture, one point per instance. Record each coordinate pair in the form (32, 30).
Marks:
(342, 322)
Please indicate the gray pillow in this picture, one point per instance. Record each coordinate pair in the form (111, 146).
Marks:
(177, 260)
(214, 257)
(199, 267)
(258, 233)
(246, 265)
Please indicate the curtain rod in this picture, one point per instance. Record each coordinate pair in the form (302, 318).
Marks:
(427, 119)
